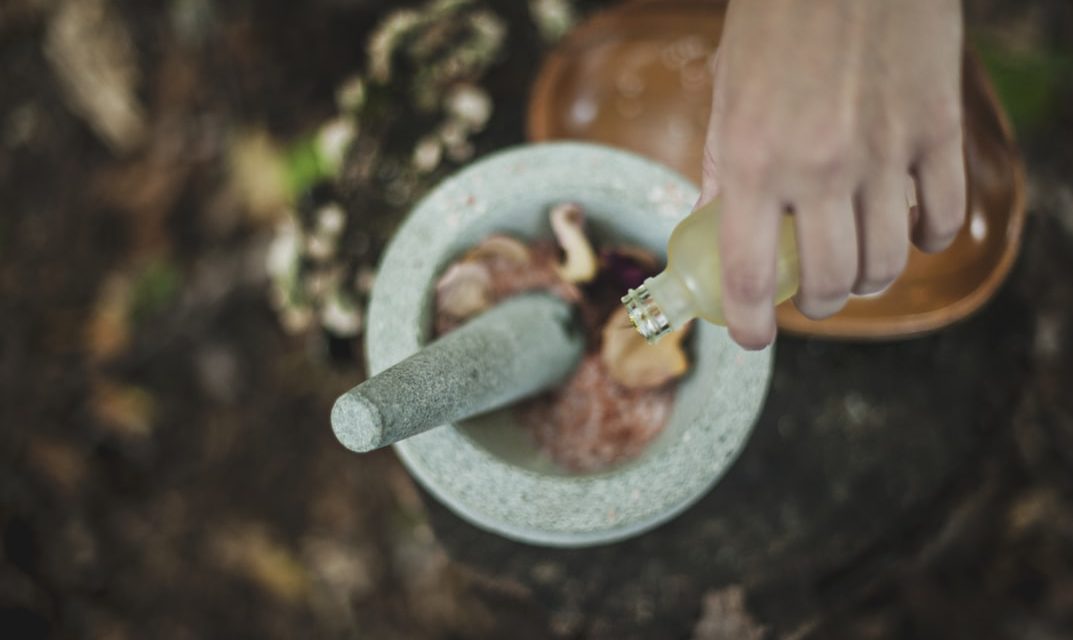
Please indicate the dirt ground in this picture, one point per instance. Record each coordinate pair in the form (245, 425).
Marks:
(167, 469)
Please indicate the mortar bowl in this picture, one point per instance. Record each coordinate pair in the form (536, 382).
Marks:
(488, 470)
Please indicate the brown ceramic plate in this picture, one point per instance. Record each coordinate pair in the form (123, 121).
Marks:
(635, 77)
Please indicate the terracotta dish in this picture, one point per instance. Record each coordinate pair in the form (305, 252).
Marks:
(636, 77)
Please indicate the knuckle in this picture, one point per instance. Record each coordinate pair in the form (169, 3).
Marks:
(749, 162)
(948, 117)
(944, 128)
(826, 289)
(745, 148)
(823, 295)
(747, 285)
(887, 145)
(826, 160)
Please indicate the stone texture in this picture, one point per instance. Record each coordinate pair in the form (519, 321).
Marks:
(518, 348)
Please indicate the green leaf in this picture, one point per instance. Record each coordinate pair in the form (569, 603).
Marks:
(304, 166)
(155, 288)
(1026, 81)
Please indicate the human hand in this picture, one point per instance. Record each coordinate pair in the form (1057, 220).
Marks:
(825, 108)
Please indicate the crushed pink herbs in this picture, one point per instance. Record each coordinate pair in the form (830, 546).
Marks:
(620, 396)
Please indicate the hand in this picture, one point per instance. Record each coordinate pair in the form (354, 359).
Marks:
(825, 108)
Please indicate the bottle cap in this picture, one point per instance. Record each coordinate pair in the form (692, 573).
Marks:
(645, 314)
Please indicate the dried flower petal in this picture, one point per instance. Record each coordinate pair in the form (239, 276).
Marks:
(427, 154)
(350, 96)
(724, 614)
(634, 363)
(470, 105)
(320, 247)
(591, 423)
(65, 465)
(628, 266)
(568, 224)
(109, 329)
(320, 282)
(503, 248)
(283, 252)
(250, 551)
(341, 315)
(126, 410)
(464, 290)
(460, 152)
(618, 399)
(296, 319)
(333, 140)
(384, 40)
(364, 281)
(93, 57)
(453, 133)
(553, 17)
(258, 174)
(331, 219)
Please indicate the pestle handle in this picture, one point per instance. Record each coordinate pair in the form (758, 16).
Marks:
(521, 346)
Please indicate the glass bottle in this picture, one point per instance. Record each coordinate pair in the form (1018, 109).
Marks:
(691, 286)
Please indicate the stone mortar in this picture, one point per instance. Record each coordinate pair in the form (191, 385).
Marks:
(488, 471)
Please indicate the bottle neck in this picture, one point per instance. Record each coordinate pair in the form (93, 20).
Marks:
(659, 306)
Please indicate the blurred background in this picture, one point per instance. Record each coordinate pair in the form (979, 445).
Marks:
(195, 195)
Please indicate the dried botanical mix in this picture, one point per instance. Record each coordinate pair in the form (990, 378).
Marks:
(621, 394)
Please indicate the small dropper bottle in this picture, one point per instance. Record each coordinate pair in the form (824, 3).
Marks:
(691, 286)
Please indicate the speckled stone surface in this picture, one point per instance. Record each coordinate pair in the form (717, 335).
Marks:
(625, 198)
(516, 349)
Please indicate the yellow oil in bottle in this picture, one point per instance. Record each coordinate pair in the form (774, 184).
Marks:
(691, 286)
